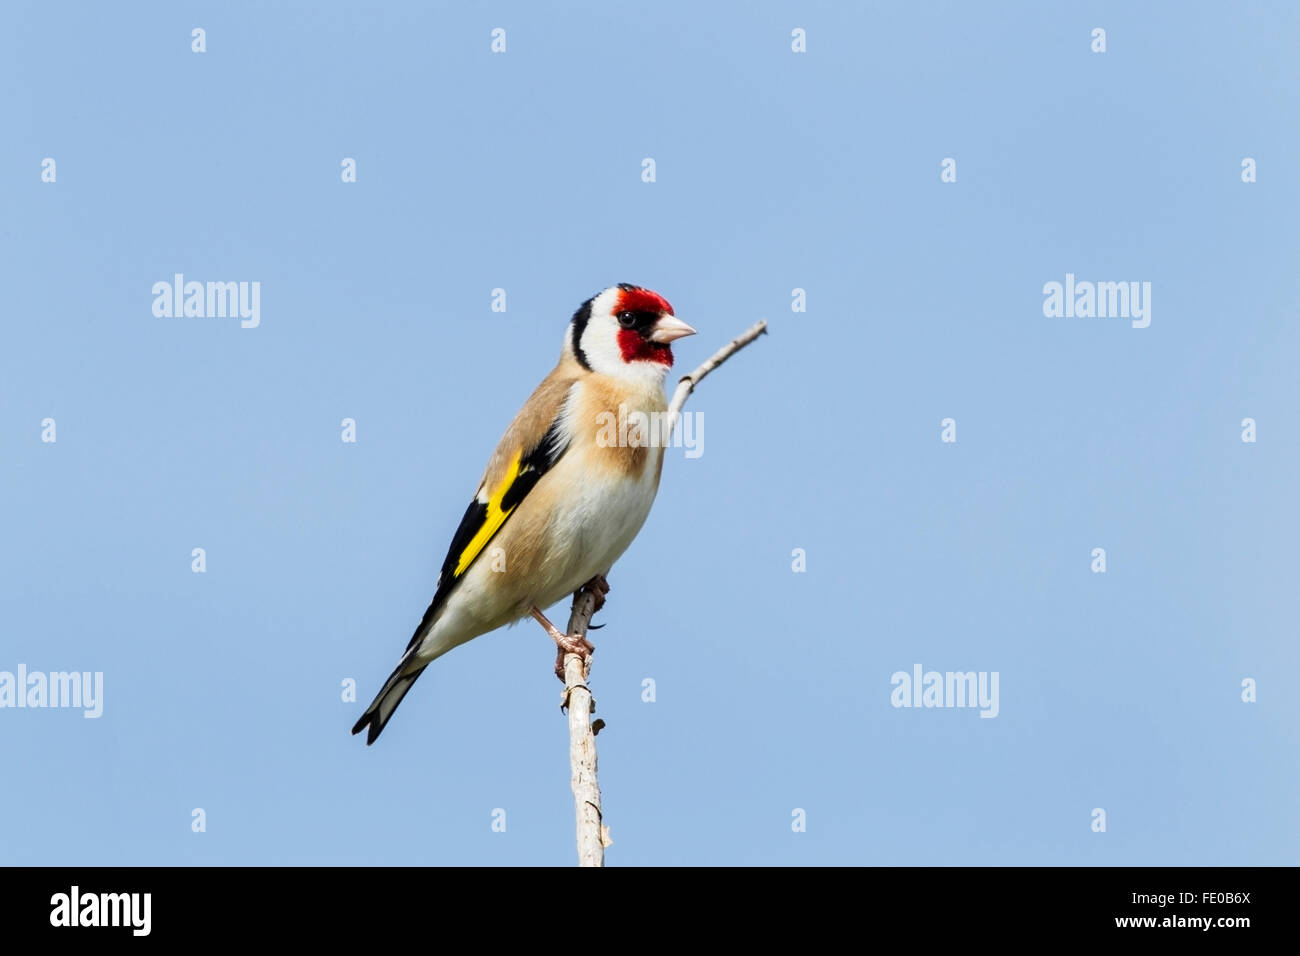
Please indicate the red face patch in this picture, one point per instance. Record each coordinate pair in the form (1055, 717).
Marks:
(642, 300)
(636, 348)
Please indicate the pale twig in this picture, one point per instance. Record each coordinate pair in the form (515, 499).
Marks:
(688, 382)
(593, 835)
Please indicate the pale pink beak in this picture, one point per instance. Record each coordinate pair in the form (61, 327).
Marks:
(669, 328)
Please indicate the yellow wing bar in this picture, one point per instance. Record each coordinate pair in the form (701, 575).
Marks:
(492, 520)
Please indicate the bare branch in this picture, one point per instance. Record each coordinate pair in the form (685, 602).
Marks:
(688, 382)
(593, 836)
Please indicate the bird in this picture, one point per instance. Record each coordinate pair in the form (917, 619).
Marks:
(562, 496)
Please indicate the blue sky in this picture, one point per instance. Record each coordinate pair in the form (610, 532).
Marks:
(774, 171)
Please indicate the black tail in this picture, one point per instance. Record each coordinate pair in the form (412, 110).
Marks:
(381, 708)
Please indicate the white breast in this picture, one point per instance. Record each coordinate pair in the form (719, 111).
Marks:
(599, 520)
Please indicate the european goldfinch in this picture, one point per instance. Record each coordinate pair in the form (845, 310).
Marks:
(558, 498)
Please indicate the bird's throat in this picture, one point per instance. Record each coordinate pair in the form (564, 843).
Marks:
(637, 348)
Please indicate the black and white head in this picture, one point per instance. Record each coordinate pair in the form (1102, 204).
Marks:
(626, 332)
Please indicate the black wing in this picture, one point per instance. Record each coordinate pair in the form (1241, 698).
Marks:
(488, 513)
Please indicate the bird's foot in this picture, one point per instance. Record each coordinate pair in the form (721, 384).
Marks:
(566, 644)
(597, 586)
(572, 644)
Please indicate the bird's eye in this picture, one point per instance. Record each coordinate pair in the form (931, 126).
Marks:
(627, 319)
